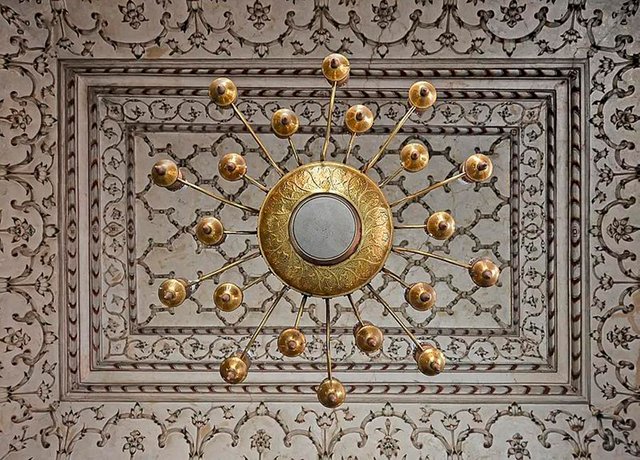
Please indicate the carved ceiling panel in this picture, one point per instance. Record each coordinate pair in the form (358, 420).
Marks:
(543, 364)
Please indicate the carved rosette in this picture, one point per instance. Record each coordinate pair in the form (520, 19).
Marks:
(373, 211)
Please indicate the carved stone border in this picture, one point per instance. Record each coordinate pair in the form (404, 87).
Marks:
(70, 265)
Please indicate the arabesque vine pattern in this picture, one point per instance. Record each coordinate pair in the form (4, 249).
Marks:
(37, 34)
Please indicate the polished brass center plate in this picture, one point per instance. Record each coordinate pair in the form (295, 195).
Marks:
(325, 229)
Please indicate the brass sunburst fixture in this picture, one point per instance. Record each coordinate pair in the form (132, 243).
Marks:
(325, 229)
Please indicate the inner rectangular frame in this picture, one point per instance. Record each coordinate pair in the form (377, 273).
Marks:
(145, 128)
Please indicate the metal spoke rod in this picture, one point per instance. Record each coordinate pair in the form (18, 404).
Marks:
(426, 190)
(257, 139)
(409, 226)
(332, 101)
(432, 255)
(349, 147)
(391, 176)
(255, 182)
(265, 318)
(328, 323)
(300, 311)
(372, 162)
(259, 279)
(224, 268)
(240, 232)
(295, 151)
(396, 277)
(219, 197)
(396, 317)
(355, 309)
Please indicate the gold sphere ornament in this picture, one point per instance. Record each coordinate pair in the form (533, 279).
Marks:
(477, 168)
(358, 119)
(335, 68)
(422, 95)
(284, 123)
(173, 292)
(414, 157)
(331, 393)
(227, 297)
(232, 166)
(440, 225)
(291, 342)
(431, 361)
(234, 369)
(223, 92)
(165, 173)
(484, 272)
(210, 231)
(369, 338)
(421, 296)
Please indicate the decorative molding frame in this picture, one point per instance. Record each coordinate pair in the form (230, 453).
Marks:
(98, 377)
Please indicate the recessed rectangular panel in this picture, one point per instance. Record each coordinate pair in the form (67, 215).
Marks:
(141, 234)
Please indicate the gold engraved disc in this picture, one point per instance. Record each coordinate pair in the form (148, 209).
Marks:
(307, 270)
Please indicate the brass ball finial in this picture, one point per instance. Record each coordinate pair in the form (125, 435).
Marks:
(173, 292)
(232, 166)
(165, 173)
(414, 157)
(421, 296)
(422, 95)
(284, 123)
(210, 231)
(223, 92)
(484, 272)
(335, 68)
(477, 168)
(227, 297)
(440, 225)
(369, 338)
(331, 393)
(234, 369)
(358, 119)
(291, 342)
(431, 361)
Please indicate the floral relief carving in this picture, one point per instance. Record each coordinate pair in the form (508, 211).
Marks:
(133, 443)
(624, 119)
(621, 230)
(512, 14)
(132, 14)
(46, 418)
(518, 448)
(259, 14)
(385, 13)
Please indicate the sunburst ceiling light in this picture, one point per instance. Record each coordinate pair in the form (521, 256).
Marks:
(325, 229)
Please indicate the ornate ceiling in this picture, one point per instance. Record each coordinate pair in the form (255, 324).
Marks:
(93, 93)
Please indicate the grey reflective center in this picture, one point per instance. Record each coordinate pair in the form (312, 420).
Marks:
(325, 229)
